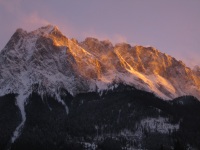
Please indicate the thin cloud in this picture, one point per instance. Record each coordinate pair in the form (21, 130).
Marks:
(119, 38)
(28, 21)
(116, 38)
(33, 21)
(10, 6)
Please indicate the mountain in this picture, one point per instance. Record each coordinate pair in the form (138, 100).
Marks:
(69, 94)
(48, 59)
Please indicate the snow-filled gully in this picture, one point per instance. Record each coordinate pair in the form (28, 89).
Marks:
(21, 102)
(62, 102)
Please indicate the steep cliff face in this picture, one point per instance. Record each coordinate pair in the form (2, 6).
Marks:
(145, 67)
(46, 61)
(161, 71)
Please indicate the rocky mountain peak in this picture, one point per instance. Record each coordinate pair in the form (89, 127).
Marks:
(46, 30)
(20, 31)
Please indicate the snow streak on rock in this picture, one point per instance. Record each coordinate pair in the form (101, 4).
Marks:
(58, 98)
(20, 102)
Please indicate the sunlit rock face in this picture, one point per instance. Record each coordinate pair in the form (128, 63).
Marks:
(50, 60)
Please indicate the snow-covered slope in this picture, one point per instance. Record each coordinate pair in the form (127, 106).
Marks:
(47, 62)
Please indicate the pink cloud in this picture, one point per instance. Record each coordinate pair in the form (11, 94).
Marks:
(116, 38)
(10, 6)
(33, 21)
(119, 38)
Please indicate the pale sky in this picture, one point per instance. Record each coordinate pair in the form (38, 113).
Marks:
(171, 26)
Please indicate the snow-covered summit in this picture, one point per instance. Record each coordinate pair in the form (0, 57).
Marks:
(47, 62)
